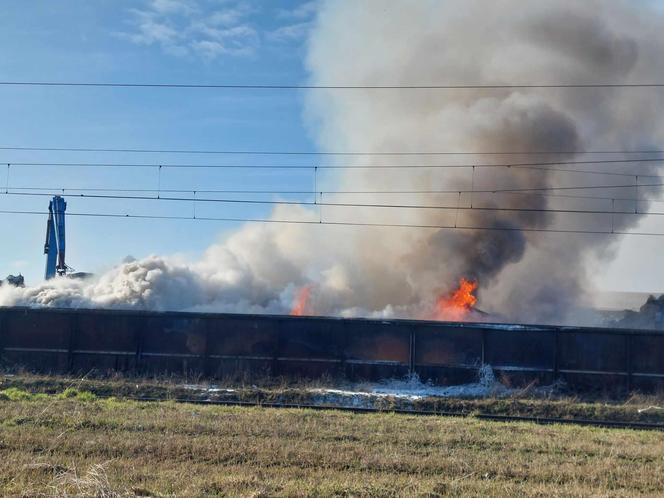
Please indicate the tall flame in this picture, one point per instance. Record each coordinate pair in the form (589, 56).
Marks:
(456, 305)
(301, 303)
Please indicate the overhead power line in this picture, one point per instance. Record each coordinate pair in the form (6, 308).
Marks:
(431, 191)
(539, 165)
(344, 204)
(73, 190)
(341, 223)
(581, 171)
(331, 153)
(580, 187)
(434, 86)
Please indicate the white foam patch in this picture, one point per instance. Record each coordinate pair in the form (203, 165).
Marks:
(367, 395)
(208, 389)
(412, 388)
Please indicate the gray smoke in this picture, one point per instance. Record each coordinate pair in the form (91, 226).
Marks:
(524, 275)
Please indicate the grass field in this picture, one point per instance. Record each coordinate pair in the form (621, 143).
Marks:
(75, 445)
(633, 408)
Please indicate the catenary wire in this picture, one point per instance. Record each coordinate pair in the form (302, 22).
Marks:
(378, 166)
(330, 153)
(344, 204)
(448, 191)
(495, 86)
(340, 223)
(65, 190)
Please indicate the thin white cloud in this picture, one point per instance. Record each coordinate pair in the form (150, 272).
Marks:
(214, 42)
(305, 10)
(173, 6)
(150, 31)
(194, 28)
(297, 23)
(231, 16)
(290, 32)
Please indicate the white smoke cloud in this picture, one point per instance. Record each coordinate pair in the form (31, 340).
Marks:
(372, 271)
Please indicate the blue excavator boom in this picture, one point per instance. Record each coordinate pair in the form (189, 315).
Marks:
(54, 247)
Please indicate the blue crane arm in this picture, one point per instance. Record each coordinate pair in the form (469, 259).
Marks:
(54, 247)
(50, 248)
(59, 217)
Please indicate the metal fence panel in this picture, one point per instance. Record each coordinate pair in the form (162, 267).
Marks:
(37, 330)
(259, 345)
(440, 345)
(311, 339)
(535, 350)
(101, 332)
(377, 342)
(647, 354)
(251, 337)
(582, 351)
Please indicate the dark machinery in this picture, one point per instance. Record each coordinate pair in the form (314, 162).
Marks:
(14, 280)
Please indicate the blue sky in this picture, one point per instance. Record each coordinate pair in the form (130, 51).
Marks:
(196, 41)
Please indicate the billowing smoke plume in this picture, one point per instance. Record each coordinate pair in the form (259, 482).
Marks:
(523, 275)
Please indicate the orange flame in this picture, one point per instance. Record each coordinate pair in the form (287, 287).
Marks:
(301, 303)
(456, 305)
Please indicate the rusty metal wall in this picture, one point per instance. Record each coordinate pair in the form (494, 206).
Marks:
(222, 345)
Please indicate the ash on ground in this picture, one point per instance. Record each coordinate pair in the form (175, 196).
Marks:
(388, 394)
(412, 388)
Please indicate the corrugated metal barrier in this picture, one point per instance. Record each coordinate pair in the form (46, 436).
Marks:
(225, 345)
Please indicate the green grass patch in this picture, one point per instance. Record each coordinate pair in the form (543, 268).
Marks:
(637, 408)
(16, 394)
(72, 392)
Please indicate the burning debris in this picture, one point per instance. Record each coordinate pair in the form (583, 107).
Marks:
(301, 305)
(456, 306)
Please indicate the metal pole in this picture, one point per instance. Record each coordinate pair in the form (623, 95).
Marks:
(3, 322)
(411, 356)
(73, 340)
(628, 360)
(483, 347)
(556, 355)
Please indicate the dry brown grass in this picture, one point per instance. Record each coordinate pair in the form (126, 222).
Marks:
(527, 402)
(107, 448)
